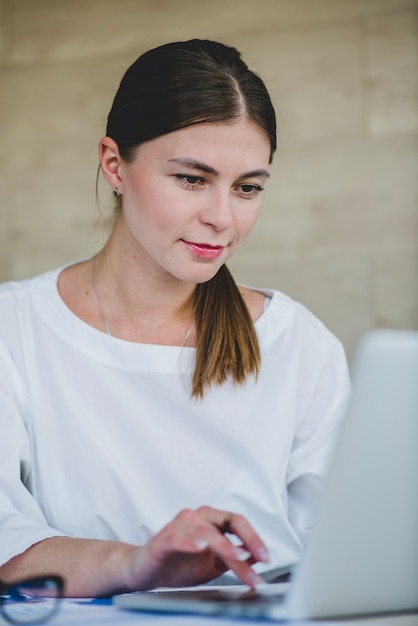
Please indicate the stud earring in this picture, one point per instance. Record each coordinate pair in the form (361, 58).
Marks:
(117, 192)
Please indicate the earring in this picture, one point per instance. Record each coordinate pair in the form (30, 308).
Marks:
(117, 192)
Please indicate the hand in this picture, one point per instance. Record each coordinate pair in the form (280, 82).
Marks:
(193, 549)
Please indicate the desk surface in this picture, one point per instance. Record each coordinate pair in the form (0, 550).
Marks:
(101, 613)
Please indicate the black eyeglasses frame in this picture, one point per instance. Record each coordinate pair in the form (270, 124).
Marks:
(38, 581)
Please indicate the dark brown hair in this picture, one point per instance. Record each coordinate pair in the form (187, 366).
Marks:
(171, 87)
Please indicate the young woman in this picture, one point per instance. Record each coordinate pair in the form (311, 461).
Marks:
(161, 425)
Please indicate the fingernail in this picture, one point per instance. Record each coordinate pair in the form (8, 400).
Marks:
(255, 580)
(201, 544)
(241, 555)
(263, 555)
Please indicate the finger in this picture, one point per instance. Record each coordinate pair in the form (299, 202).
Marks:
(240, 527)
(234, 523)
(194, 532)
(235, 558)
(190, 533)
(185, 534)
(245, 573)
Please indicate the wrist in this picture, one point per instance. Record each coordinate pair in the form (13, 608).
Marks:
(119, 569)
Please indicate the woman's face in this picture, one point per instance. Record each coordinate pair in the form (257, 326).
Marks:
(191, 197)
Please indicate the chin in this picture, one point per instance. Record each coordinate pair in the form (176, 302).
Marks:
(200, 277)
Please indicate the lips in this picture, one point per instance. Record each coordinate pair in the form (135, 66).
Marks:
(203, 250)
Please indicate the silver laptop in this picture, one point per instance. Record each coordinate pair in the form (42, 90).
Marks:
(362, 556)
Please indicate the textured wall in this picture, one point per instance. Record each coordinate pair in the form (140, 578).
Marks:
(339, 228)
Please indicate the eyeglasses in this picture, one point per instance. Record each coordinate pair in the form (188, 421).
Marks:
(33, 601)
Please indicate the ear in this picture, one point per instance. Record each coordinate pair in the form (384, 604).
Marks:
(110, 162)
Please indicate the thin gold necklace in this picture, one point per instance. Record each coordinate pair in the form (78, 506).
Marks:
(99, 302)
(102, 315)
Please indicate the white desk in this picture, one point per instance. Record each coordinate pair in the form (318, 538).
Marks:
(86, 613)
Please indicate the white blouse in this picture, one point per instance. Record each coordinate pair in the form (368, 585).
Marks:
(100, 438)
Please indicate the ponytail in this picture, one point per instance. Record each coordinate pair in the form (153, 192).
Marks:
(227, 344)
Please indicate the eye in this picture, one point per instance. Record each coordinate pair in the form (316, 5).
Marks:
(249, 190)
(190, 181)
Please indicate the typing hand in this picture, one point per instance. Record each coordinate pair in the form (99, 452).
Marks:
(193, 549)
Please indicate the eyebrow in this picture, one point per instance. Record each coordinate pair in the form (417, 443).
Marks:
(197, 165)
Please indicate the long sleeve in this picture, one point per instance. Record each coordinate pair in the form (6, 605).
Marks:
(22, 523)
(97, 435)
(315, 439)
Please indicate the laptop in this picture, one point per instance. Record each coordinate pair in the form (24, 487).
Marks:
(362, 556)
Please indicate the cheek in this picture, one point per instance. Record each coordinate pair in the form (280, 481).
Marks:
(150, 205)
(246, 221)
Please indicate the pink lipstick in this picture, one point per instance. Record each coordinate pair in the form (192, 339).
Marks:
(204, 250)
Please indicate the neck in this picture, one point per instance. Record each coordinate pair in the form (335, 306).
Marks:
(136, 306)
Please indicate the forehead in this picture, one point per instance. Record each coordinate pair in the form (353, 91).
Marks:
(241, 142)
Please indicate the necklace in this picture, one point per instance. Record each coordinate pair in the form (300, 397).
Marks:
(99, 302)
(102, 315)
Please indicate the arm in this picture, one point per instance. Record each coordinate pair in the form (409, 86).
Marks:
(89, 567)
(190, 550)
(315, 439)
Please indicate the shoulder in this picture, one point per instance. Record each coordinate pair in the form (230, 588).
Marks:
(272, 305)
(13, 295)
(287, 321)
(296, 343)
(259, 299)
(19, 292)
(19, 302)
(254, 299)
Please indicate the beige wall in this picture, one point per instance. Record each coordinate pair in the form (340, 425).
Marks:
(339, 230)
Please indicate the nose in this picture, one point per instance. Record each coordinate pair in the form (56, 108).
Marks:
(217, 211)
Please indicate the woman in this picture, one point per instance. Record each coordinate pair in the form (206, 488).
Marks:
(161, 425)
